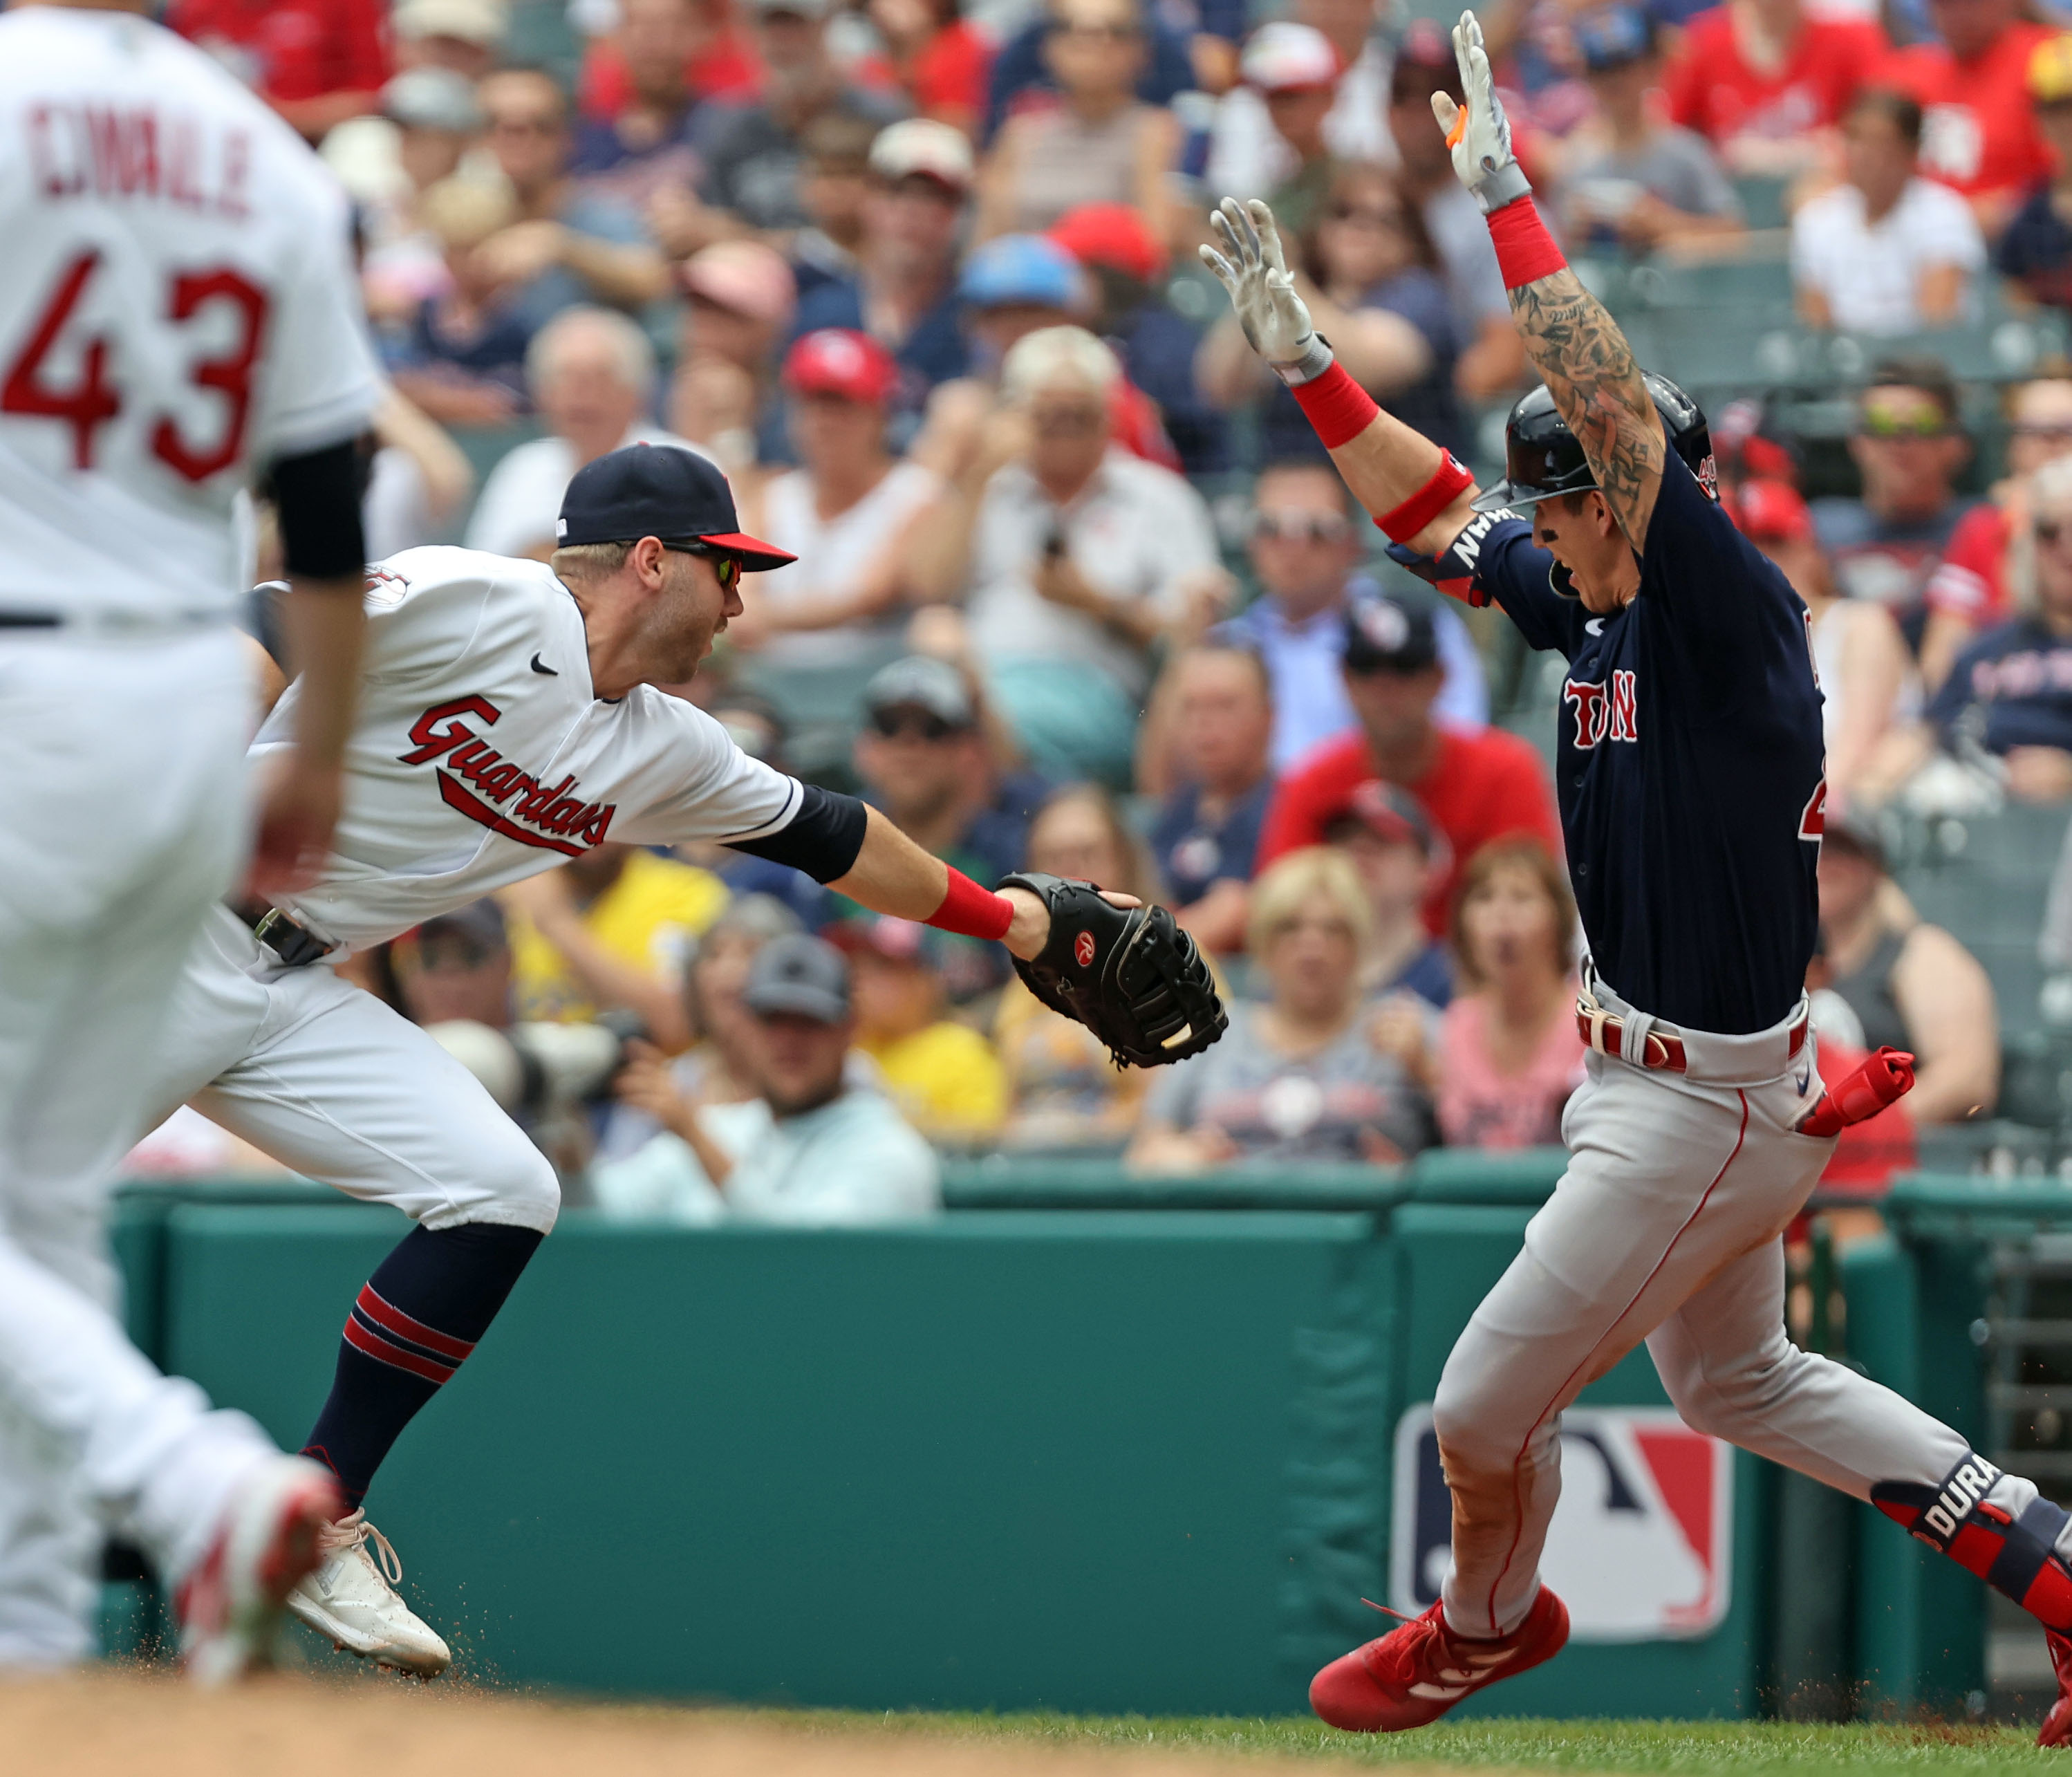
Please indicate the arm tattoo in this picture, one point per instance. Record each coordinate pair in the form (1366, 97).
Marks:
(1588, 369)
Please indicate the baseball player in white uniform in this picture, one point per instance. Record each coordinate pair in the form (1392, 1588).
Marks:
(1690, 774)
(508, 722)
(179, 313)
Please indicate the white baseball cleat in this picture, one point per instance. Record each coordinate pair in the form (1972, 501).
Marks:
(351, 1597)
(230, 1603)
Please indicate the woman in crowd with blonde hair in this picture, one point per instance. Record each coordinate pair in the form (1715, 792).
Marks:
(1300, 1077)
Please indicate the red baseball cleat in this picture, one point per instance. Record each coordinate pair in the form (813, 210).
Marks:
(2057, 1729)
(231, 1604)
(1418, 1671)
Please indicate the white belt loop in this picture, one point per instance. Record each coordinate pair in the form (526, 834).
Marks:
(1632, 1043)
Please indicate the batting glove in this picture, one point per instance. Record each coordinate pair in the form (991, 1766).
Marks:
(1275, 319)
(1479, 133)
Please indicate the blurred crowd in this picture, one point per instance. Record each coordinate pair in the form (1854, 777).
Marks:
(1077, 589)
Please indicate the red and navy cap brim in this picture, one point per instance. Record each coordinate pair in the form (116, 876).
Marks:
(756, 556)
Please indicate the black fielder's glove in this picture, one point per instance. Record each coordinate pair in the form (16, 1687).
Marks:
(1129, 974)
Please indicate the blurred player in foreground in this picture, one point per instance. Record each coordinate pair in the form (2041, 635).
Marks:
(178, 311)
(1689, 769)
(509, 721)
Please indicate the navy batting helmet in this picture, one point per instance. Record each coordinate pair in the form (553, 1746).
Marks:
(1542, 458)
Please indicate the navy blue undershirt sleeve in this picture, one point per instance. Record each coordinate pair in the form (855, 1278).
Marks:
(823, 839)
(1519, 577)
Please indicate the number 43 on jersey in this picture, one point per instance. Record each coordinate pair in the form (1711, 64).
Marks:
(90, 401)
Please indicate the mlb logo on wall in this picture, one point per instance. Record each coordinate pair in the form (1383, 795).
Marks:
(1642, 1543)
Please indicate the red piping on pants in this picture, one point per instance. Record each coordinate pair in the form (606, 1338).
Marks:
(1518, 1461)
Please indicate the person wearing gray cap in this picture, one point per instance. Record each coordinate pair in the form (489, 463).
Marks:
(923, 758)
(815, 1149)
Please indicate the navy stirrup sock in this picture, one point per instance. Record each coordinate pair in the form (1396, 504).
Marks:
(2017, 1556)
(416, 1321)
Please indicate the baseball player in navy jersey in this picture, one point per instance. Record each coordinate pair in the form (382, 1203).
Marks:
(508, 722)
(178, 314)
(1689, 764)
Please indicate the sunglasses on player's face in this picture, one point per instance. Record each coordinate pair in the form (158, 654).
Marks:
(727, 567)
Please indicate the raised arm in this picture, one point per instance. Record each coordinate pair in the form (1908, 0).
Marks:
(1574, 343)
(1412, 488)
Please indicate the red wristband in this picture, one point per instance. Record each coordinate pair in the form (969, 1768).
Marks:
(1525, 251)
(1339, 408)
(1448, 482)
(976, 912)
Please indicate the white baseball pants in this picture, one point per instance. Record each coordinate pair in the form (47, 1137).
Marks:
(1667, 1227)
(122, 823)
(331, 1082)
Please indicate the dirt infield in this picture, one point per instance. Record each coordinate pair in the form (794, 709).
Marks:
(115, 1724)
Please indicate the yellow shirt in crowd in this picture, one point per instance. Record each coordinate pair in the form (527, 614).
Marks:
(946, 1081)
(647, 918)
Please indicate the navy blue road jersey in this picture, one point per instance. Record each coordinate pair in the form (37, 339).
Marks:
(1690, 764)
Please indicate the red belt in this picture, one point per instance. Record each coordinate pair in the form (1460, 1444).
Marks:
(1606, 1032)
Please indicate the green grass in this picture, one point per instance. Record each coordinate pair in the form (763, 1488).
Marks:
(1740, 1747)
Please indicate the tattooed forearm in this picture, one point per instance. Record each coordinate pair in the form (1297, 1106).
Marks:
(1588, 369)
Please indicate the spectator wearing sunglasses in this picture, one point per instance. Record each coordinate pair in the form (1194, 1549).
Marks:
(1886, 251)
(1305, 552)
(1968, 592)
(1910, 446)
(2010, 692)
(923, 756)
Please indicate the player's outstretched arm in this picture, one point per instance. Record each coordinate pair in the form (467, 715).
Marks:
(1575, 345)
(1411, 488)
(893, 875)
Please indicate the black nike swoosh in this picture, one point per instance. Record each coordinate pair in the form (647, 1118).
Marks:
(549, 671)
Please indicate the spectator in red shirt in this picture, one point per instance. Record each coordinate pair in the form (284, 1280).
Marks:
(1763, 81)
(1967, 592)
(1476, 787)
(1979, 135)
(720, 63)
(940, 60)
(316, 62)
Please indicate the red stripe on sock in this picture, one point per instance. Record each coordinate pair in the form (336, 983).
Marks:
(415, 1330)
(378, 1348)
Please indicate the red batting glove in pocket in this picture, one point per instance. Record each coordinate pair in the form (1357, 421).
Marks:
(1883, 1078)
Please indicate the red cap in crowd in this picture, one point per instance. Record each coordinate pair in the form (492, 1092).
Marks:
(1771, 511)
(1113, 235)
(840, 361)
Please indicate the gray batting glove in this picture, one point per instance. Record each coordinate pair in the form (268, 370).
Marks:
(1275, 319)
(1479, 133)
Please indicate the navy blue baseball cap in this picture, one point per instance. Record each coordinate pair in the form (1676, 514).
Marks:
(659, 490)
(1613, 37)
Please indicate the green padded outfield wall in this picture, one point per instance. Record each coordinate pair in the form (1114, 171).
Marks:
(1107, 1460)
(1094, 1462)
